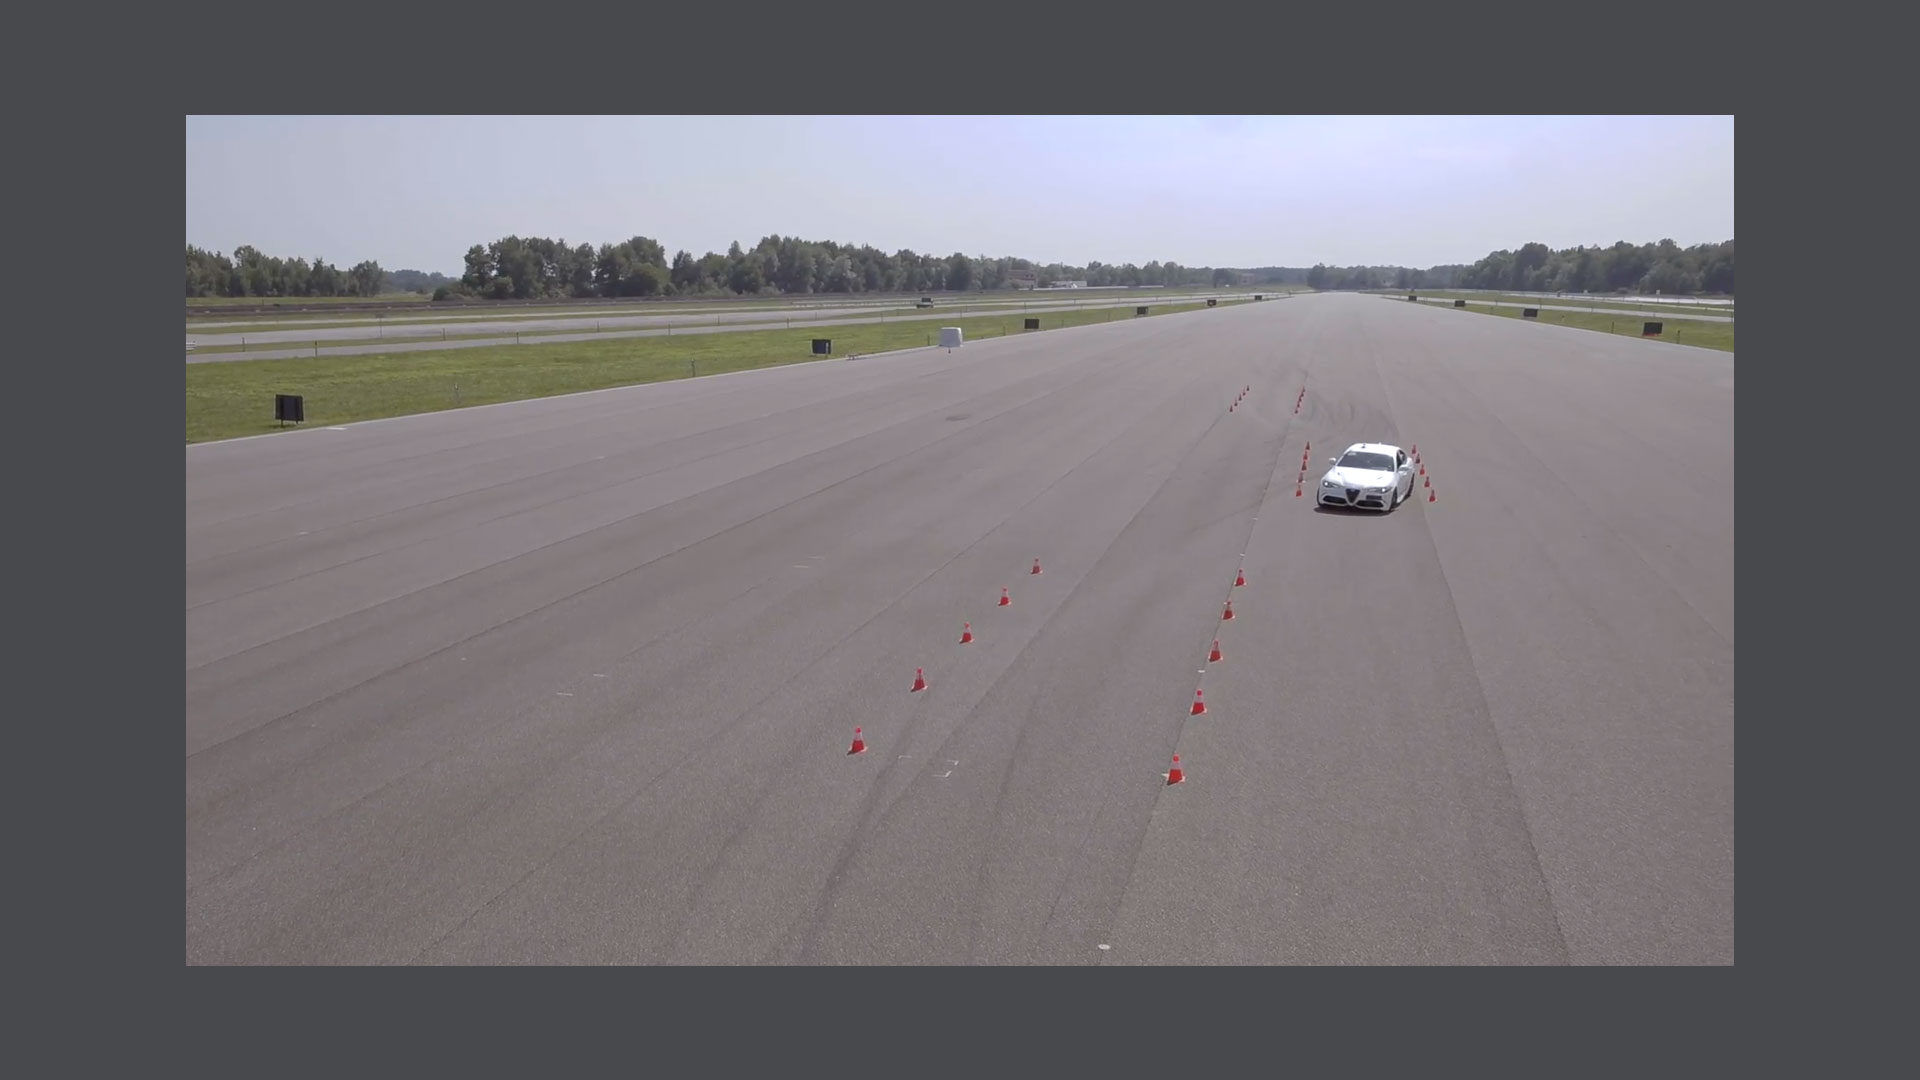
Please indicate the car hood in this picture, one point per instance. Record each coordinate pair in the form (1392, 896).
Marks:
(1360, 477)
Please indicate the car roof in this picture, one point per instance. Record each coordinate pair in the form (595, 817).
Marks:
(1372, 447)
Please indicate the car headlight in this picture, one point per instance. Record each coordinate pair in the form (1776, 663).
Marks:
(1328, 484)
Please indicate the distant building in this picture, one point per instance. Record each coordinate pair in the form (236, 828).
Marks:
(1023, 279)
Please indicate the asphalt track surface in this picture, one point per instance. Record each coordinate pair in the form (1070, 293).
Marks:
(426, 337)
(573, 681)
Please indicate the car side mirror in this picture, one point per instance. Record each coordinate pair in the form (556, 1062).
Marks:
(1333, 461)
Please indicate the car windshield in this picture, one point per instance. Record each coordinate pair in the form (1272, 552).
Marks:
(1361, 459)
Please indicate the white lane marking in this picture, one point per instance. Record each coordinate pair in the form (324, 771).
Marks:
(797, 566)
(597, 675)
(1106, 948)
(563, 693)
(336, 429)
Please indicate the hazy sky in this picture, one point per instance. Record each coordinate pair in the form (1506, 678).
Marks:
(416, 192)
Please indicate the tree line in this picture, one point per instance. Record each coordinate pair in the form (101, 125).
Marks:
(251, 273)
(536, 268)
(1336, 278)
(1663, 267)
(531, 268)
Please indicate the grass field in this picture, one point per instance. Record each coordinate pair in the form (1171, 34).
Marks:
(591, 309)
(1706, 335)
(1610, 302)
(212, 304)
(248, 324)
(710, 315)
(230, 399)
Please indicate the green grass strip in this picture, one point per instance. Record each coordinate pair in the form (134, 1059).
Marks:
(234, 398)
(1608, 301)
(1706, 335)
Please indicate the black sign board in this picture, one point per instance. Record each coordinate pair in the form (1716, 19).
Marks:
(290, 408)
(1139, 311)
(822, 346)
(1211, 301)
(1530, 313)
(1033, 324)
(1459, 303)
(1652, 329)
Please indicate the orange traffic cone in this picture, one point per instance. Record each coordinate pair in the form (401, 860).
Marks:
(859, 744)
(919, 681)
(1429, 496)
(1004, 598)
(1176, 774)
(1199, 704)
(1036, 567)
(1228, 614)
(1240, 578)
(966, 635)
(1214, 656)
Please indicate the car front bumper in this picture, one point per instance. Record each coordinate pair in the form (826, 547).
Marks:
(1356, 498)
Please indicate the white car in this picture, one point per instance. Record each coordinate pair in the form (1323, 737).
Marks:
(1371, 476)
